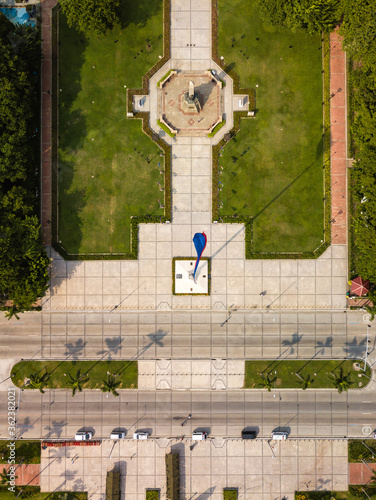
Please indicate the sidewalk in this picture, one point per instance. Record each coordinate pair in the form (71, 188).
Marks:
(338, 118)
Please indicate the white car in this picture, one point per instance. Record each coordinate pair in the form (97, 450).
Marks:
(140, 435)
(83, 436)
(117, 435)
(279, 435)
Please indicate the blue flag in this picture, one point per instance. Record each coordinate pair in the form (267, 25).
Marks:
(199, 240)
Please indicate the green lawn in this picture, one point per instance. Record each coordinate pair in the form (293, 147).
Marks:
(286, 370)
(125, 371)
(108, 168)
(34, 493)
(273, 168)
(27, 452)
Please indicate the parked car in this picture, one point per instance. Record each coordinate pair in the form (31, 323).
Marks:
(246, 434)
(199, 436)
(140, 435)
(279, 435)
(117, 435)
(83, 436)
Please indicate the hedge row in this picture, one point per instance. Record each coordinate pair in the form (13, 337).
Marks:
(172, 476)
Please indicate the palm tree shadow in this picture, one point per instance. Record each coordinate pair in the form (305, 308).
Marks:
(113, 347)
(56, 428)
(355, 349)
(75, 350)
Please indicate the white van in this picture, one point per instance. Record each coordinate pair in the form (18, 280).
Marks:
(279, 435)
(199, 436)
(140, 435)
(83, 436)
(117, 435)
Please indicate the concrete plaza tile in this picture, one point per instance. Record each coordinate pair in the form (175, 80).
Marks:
(147, 250)
(93, 286)
(128, 285)
(307, 284)
(58, 286)
(202, 37)
(200, 5)
(324, 267)
(289, 286)
(271, 268)
(76, 286)
(253, 268)
(180, 20)
(307, 301)
(111, 268)
(270, 285)
(58, 269)
(111, 300)
(111, 285)
(306, 268)
(339, 267)
(180, 38)
(339, 285)
(201, 202)
(163, 232)
(147, 267)
(129, 268)
(339, 251)
(200, 52)
(75, 301)
(93, 268)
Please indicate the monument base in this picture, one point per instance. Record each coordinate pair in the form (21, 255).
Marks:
(183, 276)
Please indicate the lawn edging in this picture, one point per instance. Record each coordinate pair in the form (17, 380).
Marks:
(238, 115)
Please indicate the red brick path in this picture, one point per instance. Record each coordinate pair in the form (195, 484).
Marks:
(26, 474)
(338, 139)
(360, 474)
(46, 112)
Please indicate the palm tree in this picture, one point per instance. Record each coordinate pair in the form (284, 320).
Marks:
(4, 477)
(111, 384)
(267, 382)
(12, 311)
(341, 381)
(306, 382)
(38, 381)
(76, 382)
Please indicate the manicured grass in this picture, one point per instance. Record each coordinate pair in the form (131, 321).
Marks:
(34, 493)
(286, 370)
(27, 452)
(108, 168)
(125, 371)
(273, 168)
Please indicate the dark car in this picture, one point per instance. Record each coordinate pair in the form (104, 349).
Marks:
(249, 434)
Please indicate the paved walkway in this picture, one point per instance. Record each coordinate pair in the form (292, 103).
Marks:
(207, 467)
(338, 118)
(46, 117)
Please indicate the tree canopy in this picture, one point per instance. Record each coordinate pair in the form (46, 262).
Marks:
(91, 16)
(312, 16)
(23, 260)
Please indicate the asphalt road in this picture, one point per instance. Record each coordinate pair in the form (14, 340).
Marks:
(56, 414)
